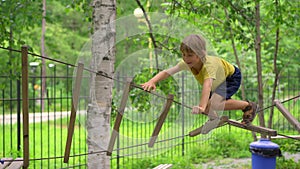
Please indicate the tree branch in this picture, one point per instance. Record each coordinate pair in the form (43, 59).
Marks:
(150, 31)
(277, 75)
(240, 12)
(235, 52)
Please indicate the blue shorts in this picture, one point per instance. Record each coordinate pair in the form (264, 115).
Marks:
(231, 85)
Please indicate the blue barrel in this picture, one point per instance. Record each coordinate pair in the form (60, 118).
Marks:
(264, 153)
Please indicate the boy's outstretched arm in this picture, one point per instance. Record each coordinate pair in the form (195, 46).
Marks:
(151, 84)
(206, 88)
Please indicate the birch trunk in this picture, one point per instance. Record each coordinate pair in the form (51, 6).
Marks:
(103, 51)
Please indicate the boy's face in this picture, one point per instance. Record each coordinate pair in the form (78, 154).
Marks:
(190, 58)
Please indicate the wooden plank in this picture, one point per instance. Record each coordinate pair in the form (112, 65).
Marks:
(7, 161)
(258, 129)
(292, 120)
(18, 163)
(25, 105)
(223, 120)
(119, 117)
(297, 137)
(161, 120)
(163, 166)
(75, 100)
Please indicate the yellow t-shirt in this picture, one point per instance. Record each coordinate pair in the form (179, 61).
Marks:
(215, 68)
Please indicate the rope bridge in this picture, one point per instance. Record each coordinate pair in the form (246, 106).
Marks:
(128, 85)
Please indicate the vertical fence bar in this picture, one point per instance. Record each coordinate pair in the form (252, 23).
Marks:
(41, 126)
(118, 138)
(73, 110)
(11, 112)
(3, 121)
(182, 112)
(25, 106)
(34, 135)
(18, 115)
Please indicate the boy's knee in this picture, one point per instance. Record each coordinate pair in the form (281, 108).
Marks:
(217, 105)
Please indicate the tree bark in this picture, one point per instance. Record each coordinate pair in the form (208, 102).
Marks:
(258, 63)
(43, 87)
(103, 51)
(276, 71)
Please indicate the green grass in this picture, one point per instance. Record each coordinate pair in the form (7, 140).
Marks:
(48, 139)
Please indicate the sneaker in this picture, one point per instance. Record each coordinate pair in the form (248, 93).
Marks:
(249, 113)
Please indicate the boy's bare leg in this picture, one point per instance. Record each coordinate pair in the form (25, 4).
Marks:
(235, 104)
(214, 104)
(218, 103)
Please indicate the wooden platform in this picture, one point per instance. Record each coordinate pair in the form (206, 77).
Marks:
(163, 166)
(296, 137)
(258, 129)
(10, 163)
(198, 131)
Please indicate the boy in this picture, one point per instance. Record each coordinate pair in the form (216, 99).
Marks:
(219, 80)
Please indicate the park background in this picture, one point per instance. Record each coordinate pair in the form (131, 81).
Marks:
(234, 31)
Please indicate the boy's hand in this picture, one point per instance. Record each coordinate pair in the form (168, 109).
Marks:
(197, 110)
(148, 86)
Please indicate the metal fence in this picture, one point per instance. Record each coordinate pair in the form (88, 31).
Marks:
(49, 122)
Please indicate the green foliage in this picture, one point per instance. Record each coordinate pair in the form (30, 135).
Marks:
(224, 146)
(287, 163)
(67, 30)
(15, 14)
(288, 145)
(15, 17)
(141, 99)
(239, 18)
(23, 20)
(231, 146)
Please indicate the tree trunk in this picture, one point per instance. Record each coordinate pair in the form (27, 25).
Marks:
(236, 56)
(258, 63)
(276, 71)
(103, 50)
(43, 87)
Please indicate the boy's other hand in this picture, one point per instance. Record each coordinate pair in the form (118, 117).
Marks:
(197, 110)
(148, 86)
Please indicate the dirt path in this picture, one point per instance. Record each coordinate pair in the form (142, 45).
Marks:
(36, 117)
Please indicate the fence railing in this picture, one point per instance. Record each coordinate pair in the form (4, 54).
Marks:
(49, 122)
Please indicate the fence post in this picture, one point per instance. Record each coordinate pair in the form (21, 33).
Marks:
(25, 106)
(115, 131)
(75, 100)
(161, 120)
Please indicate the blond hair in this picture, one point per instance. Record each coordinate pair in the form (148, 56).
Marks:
(194, 44)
